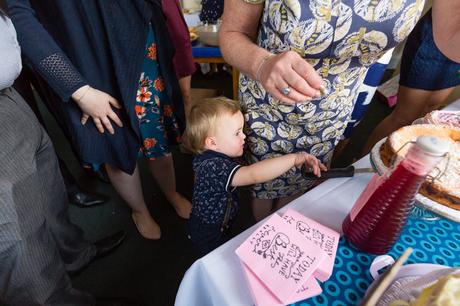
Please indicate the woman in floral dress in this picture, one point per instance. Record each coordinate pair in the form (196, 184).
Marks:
(302, 62)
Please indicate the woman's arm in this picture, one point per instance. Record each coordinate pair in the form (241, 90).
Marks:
(269, 169)
(446, 27)
(42, 52)
(238, 33)
(183, 59)
(56, 69)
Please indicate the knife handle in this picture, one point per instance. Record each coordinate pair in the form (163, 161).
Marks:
(330, 173)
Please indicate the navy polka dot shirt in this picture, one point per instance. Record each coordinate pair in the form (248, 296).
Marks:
(211, 10)
(212, 192)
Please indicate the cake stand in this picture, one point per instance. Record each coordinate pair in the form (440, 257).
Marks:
(420, 199)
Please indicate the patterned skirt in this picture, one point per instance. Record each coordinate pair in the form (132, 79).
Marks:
(158, 126)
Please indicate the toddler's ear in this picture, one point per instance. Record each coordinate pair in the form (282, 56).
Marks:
(210, 143)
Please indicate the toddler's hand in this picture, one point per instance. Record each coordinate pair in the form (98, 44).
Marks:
(312, 162)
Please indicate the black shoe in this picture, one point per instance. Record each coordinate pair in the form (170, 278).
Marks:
(87, 199)
(107, 245)
(104, 247)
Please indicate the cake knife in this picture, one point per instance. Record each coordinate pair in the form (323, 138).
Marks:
(336, 172)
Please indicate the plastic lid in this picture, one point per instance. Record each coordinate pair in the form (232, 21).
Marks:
(434, 145)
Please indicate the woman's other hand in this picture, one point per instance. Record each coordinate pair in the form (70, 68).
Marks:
(97, 105)
(185, 87)
(289, 78)
(312, 163)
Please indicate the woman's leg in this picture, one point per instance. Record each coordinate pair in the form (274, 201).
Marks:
(437, 99)
(261, 208)
(130, 189)
(162, 170)
(411, 105)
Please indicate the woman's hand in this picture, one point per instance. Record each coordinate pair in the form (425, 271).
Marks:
(312, 163)
(290, 73)
(185, 87)
(97, 105)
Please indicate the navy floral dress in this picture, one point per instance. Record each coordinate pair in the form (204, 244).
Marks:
(158, 126)
(340, 39)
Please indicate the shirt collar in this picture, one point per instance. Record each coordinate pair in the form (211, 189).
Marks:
(208, 154)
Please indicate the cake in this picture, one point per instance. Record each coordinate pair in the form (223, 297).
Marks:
(449, 118)
(445, 189)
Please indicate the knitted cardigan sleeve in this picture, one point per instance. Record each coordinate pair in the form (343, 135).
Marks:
(42, 52)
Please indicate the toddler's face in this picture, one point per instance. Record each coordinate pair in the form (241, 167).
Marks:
(229, 138)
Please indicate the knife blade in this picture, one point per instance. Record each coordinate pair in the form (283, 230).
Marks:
(335, 172)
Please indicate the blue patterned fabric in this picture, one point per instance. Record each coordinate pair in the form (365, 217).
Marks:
(436, 242)
(214, 172)
(340, 40)
(423, 66)
(365, 95)
(157, 124)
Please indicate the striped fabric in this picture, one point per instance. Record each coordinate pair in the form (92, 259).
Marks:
(38, 243)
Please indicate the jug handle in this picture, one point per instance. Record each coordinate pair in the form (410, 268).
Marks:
(379, 263)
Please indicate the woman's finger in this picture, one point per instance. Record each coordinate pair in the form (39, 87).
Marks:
(275, 92)
(107, 125)
(296, 82)
(84, 118)
(114, 102)
(293, 93)
(98, 124)
(115, 118)
(308, 73)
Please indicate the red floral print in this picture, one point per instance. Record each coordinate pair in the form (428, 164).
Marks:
(140, 111)
(149, 142)
(159, 84)
(167, 111)
(143, 95)
(152, 52)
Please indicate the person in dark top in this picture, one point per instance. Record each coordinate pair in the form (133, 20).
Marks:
(117, 94)
(211, 10)
(183, 58)
(428, 76)
(215, 133)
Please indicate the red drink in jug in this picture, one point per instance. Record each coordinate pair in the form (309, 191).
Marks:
(379, 222)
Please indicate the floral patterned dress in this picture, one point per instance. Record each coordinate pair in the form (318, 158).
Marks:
(158, 126)
(340, 39)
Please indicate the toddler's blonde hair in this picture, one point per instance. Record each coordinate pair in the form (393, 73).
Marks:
(203, 118)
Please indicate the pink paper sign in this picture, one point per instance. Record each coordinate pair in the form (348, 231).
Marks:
(263, 297)
(324, 237)
(280, 257)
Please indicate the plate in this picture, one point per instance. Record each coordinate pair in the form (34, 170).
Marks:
(409, 280)
(422, 201)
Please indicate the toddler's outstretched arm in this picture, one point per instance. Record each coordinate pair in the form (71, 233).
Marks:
(269, 169)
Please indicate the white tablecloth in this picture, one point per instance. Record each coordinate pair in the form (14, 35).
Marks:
(217, 278)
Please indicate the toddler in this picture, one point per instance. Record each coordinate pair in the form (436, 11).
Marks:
(215, 133)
